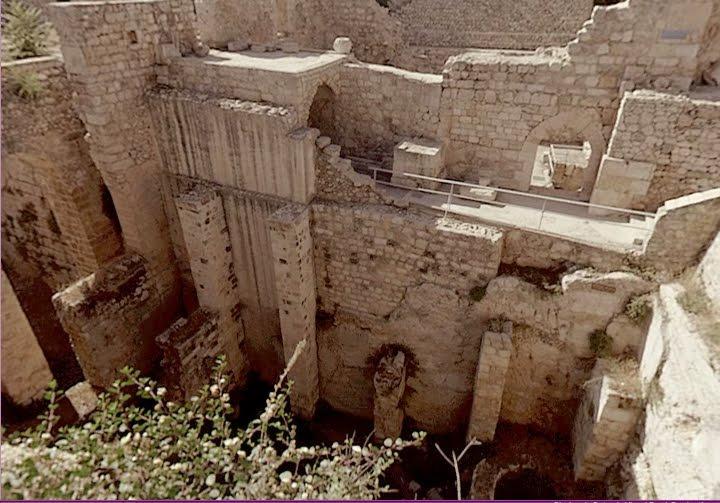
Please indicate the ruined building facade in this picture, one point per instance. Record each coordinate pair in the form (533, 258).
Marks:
(180, 202)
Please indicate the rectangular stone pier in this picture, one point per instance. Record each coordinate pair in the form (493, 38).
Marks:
(493, 363)
(295, 284)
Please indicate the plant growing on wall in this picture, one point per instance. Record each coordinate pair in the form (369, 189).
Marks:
(24, 30)
(600, 343)
(26, 85)
(477, 293)
(139, 445)
(638, 308)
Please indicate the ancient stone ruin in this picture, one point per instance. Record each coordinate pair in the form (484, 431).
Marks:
(493, 221)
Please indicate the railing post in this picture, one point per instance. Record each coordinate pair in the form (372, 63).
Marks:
(542, 214)
(449, 199)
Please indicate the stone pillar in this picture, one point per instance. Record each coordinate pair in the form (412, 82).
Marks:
(605, 421)
(389, 382)
(111, 74)
(295, 284)
(202, 218)
(112, 318)
(25, 371)
(495, 352)
(78, 207)
(190, 347)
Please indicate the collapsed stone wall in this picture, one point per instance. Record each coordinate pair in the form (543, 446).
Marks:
(669, 146)
(552, 353)
(112, 317)
(57, 216)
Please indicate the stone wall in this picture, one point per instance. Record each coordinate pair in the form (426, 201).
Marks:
(501, 105)
(663, 146)
(241, 144)
(379, 106)
(279, 79)
(396, 36)
(25, 371)
(366, 257)
(551, 351)
(57, 214)
(386, 280)
(493, 23)
(246, 216)
(207, 241)
(494, 359)
(684, 228)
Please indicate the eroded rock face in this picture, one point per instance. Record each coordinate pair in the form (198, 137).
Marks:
(442, 330)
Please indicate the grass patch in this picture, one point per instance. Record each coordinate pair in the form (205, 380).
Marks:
(638, 308)
(695, 301)
(26, 85)
(477, 293)
(600, 343)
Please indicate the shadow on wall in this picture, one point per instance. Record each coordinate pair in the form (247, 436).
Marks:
(322, 111)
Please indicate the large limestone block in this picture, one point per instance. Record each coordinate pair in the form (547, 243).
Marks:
(418, 156)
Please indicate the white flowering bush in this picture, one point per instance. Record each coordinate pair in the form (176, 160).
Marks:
(137, 444)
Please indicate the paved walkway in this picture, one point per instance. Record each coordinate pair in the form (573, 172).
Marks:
(560, 219)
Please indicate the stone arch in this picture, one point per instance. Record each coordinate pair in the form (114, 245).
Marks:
(583, 125)
(322, 110)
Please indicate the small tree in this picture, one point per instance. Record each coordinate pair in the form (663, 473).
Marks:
(24, 30)
(139, 445)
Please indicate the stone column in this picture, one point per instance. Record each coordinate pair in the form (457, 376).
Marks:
(389, 381)
(495, 352)
(605, 421)
(190, 347)
(202, 218)
(25, 371)
(111, 74)
(295, 284)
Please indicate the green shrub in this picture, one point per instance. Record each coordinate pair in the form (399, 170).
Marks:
(600, 343)
(496, 325)
(638, 308)
(24, 30)
(139, 445)
(26, 85)
(477, 293)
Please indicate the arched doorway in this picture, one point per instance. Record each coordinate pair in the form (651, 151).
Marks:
(561, 155)
(322, 111)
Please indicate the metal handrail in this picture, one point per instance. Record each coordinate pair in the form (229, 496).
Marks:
(533, 196)
(453, 194)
